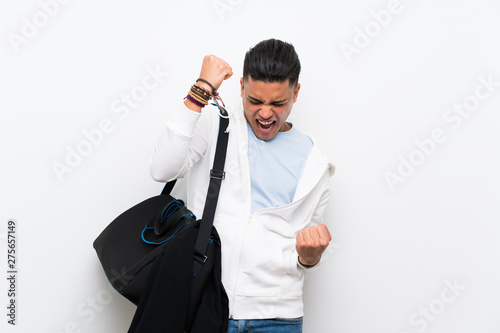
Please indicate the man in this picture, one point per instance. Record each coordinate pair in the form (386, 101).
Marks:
(271, 202)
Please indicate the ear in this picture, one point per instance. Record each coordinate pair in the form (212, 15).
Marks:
(242, 86)
(296, 92)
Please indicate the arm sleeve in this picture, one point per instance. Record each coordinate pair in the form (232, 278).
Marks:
(317, 217)
(181, 144)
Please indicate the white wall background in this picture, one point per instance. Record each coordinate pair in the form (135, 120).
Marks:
(398, 250)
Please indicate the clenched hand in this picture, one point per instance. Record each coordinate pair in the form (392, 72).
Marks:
(311, 243)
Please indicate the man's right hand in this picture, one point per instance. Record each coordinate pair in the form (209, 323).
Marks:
(214, 70)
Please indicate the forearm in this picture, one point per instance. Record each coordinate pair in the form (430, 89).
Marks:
(180, 145)
(315, 237)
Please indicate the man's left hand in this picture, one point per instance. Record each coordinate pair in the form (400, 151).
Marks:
(311, 243)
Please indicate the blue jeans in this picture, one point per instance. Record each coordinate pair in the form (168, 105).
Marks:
(278, 325)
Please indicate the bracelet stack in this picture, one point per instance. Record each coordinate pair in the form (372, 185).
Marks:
(201, 97)
(198, 96)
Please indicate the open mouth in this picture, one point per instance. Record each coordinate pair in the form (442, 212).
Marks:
(265, 126)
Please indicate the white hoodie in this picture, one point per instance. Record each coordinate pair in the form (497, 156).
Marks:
(260, 269)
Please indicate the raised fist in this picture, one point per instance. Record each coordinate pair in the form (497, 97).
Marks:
(214, 70)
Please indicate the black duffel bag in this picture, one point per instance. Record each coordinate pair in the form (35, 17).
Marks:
(128, 246)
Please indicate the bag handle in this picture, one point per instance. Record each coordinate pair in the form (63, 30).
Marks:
(170, 216)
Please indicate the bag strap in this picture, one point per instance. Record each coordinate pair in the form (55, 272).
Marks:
(217, 174)
(168, 187)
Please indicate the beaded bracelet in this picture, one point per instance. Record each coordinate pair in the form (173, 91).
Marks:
(201, 98)
(196, 89)
(197, 98)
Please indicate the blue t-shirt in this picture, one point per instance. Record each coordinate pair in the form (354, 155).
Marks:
(276, 166)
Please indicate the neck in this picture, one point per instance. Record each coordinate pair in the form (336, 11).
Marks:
(286, 127)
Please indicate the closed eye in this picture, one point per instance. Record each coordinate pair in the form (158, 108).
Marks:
(257, 102)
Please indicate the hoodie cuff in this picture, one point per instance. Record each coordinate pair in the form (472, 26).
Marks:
(308, 268)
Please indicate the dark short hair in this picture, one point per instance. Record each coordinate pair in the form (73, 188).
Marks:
(272, 60)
